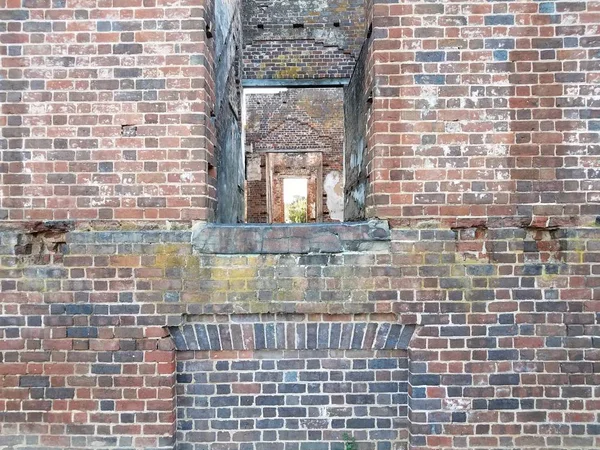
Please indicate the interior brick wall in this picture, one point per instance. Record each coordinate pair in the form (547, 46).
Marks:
(302, 40)
(306, 165)
(256, 191)
(299, 59)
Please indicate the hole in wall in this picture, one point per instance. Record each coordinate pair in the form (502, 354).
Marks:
(310, 59)
(128, 130)
(212, 171)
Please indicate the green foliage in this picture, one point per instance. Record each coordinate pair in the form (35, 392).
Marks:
(297, 212)
(350, 442)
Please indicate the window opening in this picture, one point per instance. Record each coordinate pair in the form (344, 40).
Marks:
(294, 133)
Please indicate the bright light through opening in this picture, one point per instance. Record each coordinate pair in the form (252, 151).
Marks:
(295, 195)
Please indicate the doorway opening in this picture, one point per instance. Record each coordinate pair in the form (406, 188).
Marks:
(295, 200)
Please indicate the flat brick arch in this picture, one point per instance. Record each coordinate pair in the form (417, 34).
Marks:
(279, 334)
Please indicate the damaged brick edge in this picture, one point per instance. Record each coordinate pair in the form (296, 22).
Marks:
(371, 236)
(39, 243)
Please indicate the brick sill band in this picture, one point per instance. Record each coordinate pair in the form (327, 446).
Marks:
(374, 235)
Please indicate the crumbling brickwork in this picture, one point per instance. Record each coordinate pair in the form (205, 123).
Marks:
(480, 126)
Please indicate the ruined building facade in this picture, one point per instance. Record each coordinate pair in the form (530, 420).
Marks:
(457, 305)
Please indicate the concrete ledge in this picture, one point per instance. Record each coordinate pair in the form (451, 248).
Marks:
(291, 239)
(292, 336)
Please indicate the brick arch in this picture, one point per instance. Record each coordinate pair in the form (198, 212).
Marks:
(275, 334)
(265, 377)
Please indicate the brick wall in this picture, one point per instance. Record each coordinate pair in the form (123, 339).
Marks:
(284, 381)
(256, 188)
(504, 353)
(298, 59)
(104, 111)
(357, 102)
(483, 119)
(308, 39)
(484, 110)
(305, 165)
(307, 400)
(229, 149)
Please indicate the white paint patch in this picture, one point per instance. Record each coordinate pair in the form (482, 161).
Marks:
(334, 188)
(498, 150)
(253, 170)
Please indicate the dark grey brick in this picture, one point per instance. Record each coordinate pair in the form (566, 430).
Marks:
(128, 49)
(60, 393)
(34, 381)
(503, 403)
(82, 332)
(436, 56)
(500, 19)
(292, 412)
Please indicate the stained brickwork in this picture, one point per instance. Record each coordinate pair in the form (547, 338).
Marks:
(308, 39)
(228, 112)
(481, 127)
(357, 100)
(299, 59)
(507, 324)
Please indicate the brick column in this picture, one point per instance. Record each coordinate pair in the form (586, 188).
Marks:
(105, 112)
